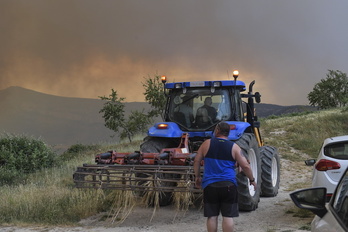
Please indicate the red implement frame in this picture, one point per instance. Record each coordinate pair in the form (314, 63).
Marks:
(180, 156)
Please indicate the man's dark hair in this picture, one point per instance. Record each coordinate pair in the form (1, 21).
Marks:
(224, 128)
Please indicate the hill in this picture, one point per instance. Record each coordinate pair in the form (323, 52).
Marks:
(63, 121)
(265, 110)
(59, 121)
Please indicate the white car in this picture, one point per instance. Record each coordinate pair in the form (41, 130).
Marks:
(330, 164)
(332, 216)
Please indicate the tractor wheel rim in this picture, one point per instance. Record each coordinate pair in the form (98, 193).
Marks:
(253, 166)
(274, 172)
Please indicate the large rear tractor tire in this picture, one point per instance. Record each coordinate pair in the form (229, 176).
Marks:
(248, 197)
(270, 171)
(155, 145)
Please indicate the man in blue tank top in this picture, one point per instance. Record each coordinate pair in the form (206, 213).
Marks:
(219, 179)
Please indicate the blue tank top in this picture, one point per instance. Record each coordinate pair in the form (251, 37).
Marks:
(219, 164)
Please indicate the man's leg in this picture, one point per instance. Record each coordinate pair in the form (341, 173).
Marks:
(227, 224)
(212, 224)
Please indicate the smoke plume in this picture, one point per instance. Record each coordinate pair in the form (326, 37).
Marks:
(83, 48)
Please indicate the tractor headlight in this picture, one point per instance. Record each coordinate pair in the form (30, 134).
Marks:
(162, 126)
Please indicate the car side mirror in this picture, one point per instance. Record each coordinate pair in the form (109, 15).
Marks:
(313, 199)
(310, 162)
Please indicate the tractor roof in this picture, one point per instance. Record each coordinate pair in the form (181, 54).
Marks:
(226, 83)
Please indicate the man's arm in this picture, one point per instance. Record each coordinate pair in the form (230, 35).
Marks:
(197, 163)
(243, 163)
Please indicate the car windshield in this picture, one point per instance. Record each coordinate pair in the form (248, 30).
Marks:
(199, 109)
(337, 150)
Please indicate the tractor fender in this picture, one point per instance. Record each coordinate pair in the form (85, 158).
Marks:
(237, 131)
(172, 130)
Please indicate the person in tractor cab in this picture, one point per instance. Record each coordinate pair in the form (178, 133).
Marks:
(186, 109)
(206, 114)
(219, 178)
(224, 110)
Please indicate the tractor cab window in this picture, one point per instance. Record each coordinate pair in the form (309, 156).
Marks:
(199, 108)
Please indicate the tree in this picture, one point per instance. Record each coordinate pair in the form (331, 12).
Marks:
(154, 95)
(114, 116)
(113, 111)
(330, 92)
(137, 122)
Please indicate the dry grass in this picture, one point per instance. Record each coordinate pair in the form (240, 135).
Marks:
(298, 185)
(32, 203)
(151, 198)
(183, 200)
(300, 213)
(123, 204)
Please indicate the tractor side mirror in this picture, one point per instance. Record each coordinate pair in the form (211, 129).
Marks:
(257, 97)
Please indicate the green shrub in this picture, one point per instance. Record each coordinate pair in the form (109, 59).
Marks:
(20, 155)
(77, 149)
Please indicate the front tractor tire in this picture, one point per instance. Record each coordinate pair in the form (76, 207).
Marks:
(270, 171)
(248, 197)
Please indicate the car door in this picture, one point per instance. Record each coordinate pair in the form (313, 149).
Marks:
(332, 216)
(336, 219)
(339, 203)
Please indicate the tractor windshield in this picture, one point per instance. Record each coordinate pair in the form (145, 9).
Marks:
(199, 108)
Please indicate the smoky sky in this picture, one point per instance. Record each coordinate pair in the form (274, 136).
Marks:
(83, 48)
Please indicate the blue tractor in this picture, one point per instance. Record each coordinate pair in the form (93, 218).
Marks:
(192, 111)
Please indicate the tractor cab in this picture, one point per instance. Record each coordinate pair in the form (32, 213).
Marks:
(197, 106)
